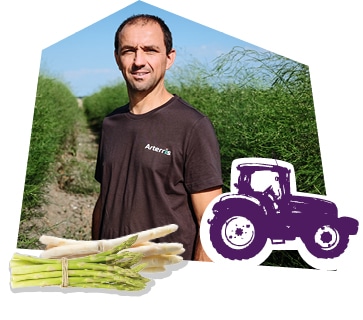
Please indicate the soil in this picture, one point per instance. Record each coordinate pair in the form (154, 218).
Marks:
(66, 214)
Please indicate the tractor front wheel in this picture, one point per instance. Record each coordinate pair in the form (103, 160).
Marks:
(326, 240)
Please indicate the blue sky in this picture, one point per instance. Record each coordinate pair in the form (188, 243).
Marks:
(85, 61)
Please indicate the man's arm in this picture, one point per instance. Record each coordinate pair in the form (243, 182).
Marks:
(96, 219)
(200, 201)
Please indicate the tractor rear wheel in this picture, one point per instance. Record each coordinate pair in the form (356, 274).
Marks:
(238, 233)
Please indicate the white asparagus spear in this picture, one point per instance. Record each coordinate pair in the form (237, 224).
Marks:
(160, 260)
(84, 249)
(142, 236)
(152, 249)
(153, 269)
(52, 241)
(61, 247)
(72, 251)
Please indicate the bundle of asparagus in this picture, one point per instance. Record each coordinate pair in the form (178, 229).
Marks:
(114, 263)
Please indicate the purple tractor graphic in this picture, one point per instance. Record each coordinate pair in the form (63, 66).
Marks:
(265, 205)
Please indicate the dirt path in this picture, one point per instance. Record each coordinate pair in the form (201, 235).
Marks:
(67, 214)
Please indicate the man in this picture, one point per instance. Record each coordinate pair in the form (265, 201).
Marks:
(158, 160)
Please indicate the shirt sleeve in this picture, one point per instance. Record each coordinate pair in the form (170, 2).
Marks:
(202, 163)
(99, 161)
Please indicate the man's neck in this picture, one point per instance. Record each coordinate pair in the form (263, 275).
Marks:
(142, 103)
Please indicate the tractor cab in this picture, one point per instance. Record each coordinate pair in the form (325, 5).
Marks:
(264, 179)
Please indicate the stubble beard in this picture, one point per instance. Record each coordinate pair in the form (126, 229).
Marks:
(142, 87)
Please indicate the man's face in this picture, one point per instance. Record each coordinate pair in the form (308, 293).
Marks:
(142, 57)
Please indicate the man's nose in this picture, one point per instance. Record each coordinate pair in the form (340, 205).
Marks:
(140, 58)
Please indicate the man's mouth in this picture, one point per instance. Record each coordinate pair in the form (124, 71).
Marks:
(140, 73)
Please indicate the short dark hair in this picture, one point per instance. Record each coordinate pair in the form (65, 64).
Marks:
(145, 18)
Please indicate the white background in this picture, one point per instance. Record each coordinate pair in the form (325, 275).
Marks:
(325, 35)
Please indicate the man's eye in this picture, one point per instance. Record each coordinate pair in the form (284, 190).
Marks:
(150, 50)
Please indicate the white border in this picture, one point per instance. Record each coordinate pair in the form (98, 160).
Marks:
(324, 35)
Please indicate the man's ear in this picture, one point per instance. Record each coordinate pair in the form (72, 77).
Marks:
(171, 58)
(117, 59)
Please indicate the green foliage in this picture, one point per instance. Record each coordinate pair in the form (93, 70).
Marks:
(261, 105)
(98, 105)
(55, 115)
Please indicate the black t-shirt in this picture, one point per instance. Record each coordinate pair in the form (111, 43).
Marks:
(149, 164)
